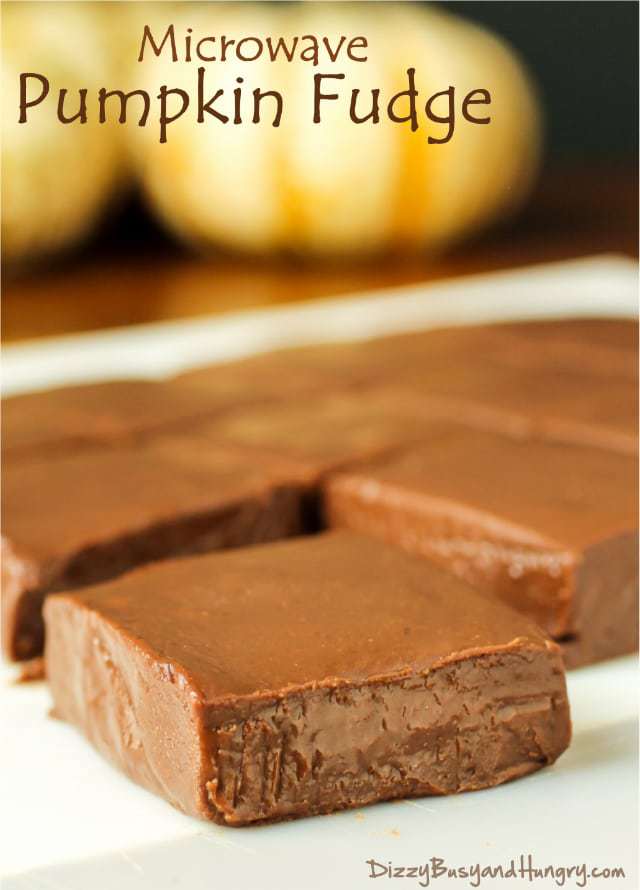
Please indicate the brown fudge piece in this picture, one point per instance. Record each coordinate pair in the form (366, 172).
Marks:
(520, 378)
(600, 347)
(603, 347)
(287, 373)
(574, 379)
(615, 334)
(71, 521)
(548, 527)
(332, 367)
(326, 433)
(303, 677)
(63, 420)
(281, 374)
(569, 406)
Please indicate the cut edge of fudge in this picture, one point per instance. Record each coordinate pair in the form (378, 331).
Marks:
(264, 761)
(458, 721)
(606, 610)
(282, 507)
(95, 415)
(107, 414)
(444, 531)
(25, 585)
(585, 598)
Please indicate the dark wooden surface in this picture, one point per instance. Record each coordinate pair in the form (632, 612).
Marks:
(132, 273)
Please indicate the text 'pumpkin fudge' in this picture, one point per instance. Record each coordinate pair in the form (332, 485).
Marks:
(549, 527)
(304, 677)
(76, 520)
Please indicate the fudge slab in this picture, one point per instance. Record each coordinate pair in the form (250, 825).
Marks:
(303, 677)
(572, 379)
(335, 430)
(282, 374)
(550, 528)
(510, 378)
(604, 348)
(568, 405)
(605, 345)
(600, 347)
(69, 418)
(75, 520)
(612, 334)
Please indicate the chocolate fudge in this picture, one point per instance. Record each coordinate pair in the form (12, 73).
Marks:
(511, 378)
(572, 379)
(283, 374)
(75, 520)
(598, 347)
(602, 346)
(570, 406)
(70, 418)
(593, 346)
(304, 677)
(550, 528)
(613, 334)
(335, 430)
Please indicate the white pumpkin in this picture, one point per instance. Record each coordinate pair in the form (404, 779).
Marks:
(56, 179)
(338, 187)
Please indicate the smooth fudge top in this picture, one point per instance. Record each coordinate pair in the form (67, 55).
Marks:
(566, 404)
(282, 373)
(331, 609)
(596, 348)
(530, 491)
(52, 508)
(618, 334)
(334, 430)
(494, 377)
(63, 418)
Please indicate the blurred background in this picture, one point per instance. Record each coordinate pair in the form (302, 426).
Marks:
(104, 227)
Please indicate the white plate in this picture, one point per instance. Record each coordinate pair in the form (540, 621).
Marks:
(605, 285)
(71, 821)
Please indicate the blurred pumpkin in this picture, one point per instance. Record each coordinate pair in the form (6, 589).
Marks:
(56, 179)
(338, 187)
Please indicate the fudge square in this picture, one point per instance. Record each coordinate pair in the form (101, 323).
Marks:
(600, 347)
(550, 528)
(332, 431)
(302, 677)
(283, 374)
(567, 405)
(79, 519)
(615, 335)
(69, 418)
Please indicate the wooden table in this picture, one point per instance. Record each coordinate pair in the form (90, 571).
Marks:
(123, 279)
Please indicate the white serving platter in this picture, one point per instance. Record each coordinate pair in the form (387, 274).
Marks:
(71, 821)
